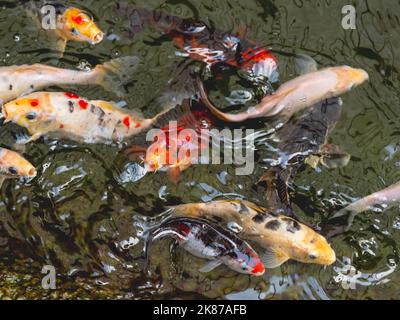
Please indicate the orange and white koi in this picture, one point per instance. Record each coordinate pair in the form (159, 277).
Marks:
(19, 80)
(176, 146)
(13, 166)
(71, 24)
(283, 238)
(297, 94)
(68, 115)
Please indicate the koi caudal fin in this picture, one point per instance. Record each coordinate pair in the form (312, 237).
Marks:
(114, 74)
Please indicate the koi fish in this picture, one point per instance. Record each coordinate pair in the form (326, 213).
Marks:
(386, 198)
(66, 114)
(19, 80)
(205, 44)
(283, 238)
(13, 166)
(297, 94)
(178, 144)
(211, 242)
(71, 24)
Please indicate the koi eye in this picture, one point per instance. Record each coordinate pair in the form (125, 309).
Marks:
(31, 116)
(313, 256)
(12, 170)
(74, 31)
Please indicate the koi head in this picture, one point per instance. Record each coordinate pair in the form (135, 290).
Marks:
(30, 111)
(13, 165)
(308, 246)
(244, 260)
(76, 25)
(348, 77)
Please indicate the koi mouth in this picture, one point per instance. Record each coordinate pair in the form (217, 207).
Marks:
(32, 173)
(98, 38)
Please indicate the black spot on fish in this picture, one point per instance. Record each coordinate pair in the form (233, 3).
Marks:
(92, 108)
(260, 217)
(217, 218)
(243, 209)
(292, 225)
(32, 86)
(71, 106)
(11, 87)
(101, 116)
(273, 225)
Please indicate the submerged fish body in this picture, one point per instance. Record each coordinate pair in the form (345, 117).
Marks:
(206, 44)
(297, 94)
(68, 115)
(210, 242)
(386, 197)
(283, 238)
(19, 80)
(13, 165)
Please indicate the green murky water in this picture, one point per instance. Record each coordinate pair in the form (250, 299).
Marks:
(80, 216)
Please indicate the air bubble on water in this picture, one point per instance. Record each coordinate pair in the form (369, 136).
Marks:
(84, 65)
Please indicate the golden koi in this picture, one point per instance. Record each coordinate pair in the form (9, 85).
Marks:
(13, 165)
(24, 79)
(297, 94)
(282, 237)
(66, 114)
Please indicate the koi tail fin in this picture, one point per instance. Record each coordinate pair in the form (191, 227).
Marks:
(114, 74)
(214, 110)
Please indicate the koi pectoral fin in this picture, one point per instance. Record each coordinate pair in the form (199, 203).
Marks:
(210, 266)
(174, 174)
(273, 259)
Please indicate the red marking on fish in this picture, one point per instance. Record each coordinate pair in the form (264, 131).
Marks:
(137, 125)
(83, 104)
(183, 228)
(127, 122)
(259, 268)
(61, 126)
(77, 20)
(72, 95)
(34, 102)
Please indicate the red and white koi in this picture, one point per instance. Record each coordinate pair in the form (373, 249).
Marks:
(210, 242)
(68, 115)
(206, 44)
(19, 80)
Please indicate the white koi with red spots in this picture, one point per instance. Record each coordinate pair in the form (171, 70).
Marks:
(65, 114)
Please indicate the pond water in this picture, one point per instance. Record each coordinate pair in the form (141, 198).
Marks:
(83, 215)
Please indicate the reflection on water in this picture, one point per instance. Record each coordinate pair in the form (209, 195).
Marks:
(81, 213)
